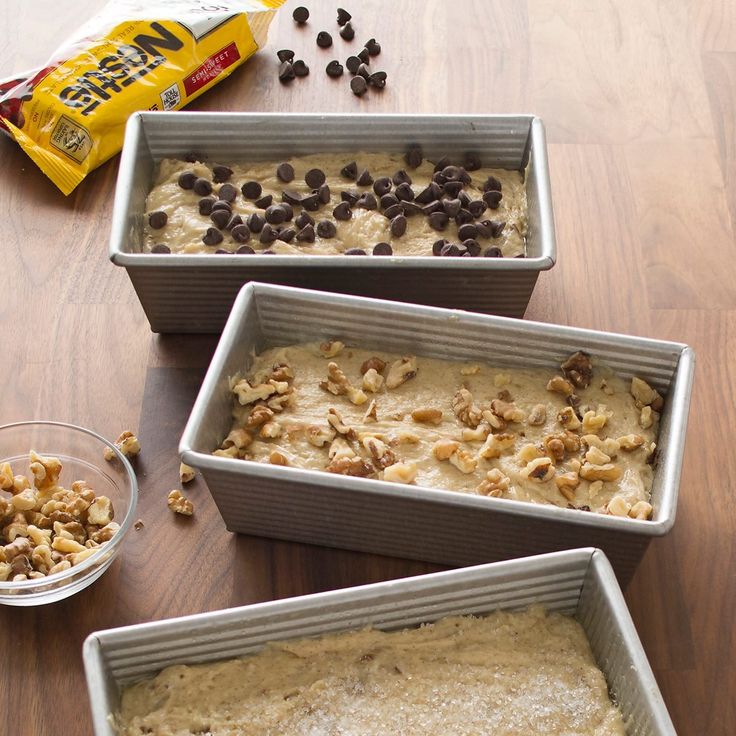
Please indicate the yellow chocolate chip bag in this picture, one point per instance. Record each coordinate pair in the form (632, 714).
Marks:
(69, 117)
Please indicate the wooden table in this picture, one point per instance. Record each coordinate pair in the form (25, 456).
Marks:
(638, 100)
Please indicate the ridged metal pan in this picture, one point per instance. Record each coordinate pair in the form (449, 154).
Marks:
(577, 582)
(408, 521)
(194, 293)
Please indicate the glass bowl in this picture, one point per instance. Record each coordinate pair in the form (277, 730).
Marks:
(81, 454)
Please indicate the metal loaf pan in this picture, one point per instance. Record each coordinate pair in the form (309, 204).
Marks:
(408, 521)
(577, 582)
(194, 293)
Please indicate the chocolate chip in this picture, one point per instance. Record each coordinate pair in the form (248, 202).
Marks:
(436, 206)
(193, 157)
(324, 40)
(465, 178)
(393, 211)
(492, 252)
(387, 200)
(291, 197)
(268, 234)
(451, 173)
(347, 31)
(472, 247)
(323, 194)
(444, 161)
(245, 250)
(492, 185)
(300, 68)
(212, 236)
(306, 234)
(158, 219)
(364, 71)
(221, 173)
(450, 250)
(350, 197)
(221, 204)
(484, 228)
(364, 56)
(205, 205)
(354, 252)
(220, 217)
(202, 187)
(452, 207)
(300, 15)
(251, 190)
(311, 202)
(275, 215)
(186, 179)
(452, 188)
(401, 177)
(255, 222)
(285, 55)
(398, 226)
(227, 192)
(303, 219)
(412, 208)
(343, 16)
(429, 194)
(160, 248)
(315, 178)
(467, 231)
(221, 251)
(359, 86)
(414, 155)
(326, 229)
(349, 171)
(493, 198)
(377, 80)
(352, 63)
(472, 161)
(334, 69)
(234, 221)
(342, 211)
(382, 249)
(498, 226)
(463, 217)
(285, 172)
(287, 234)
(365, 178)
(464, 198)
(438, 220)
(367, 202)
(437, 246)
(264, 202)
(477, 207)
(240, 233)
(288, 210)
(286, 72)
(405, 192)
(268, 252)
(373, 48)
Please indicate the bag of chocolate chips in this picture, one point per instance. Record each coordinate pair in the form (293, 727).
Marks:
(70, 116)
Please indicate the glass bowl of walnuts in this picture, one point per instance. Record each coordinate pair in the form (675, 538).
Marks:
(67, 499)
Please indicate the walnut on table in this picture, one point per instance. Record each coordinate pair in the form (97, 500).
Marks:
(179, 504)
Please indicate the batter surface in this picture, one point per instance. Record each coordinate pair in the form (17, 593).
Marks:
(507, 673)
(529, 435)
(185, 226)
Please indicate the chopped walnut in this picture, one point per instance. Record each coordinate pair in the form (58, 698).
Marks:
(528, 453)
(401, 371)
(372, 380)
(507, 411)
(100, 511)
(609, 446)
(631, 441)
(331, 349)
(354, 466)
(606, 472)
(595, 456)
(554, 447)
(373, 363)
(540, 469)
(560, 385)
(371, 413)
(179, 504)
(618, 506)
(470, 370)
(501, 379)
(238, 438)
(538, 415)
(641, 510)
(479, 434)
(595, 421)
(279, 403)
(496, 444)
(276, 457)
(427, 415)
(282, 372)
(337, 383)
(464, 409)
(400, 473)
(568, 418)
(645, 395)
(495, 484)
(405, 438)
(336, 422)
(258, 416)
(381, 454)
(340, 447)
(271, 430)
(443, 449)
(566, 484)
(248, 394)
(495, 422)
(186, 473)
(46, 471)
(578, 369)
(594, 488)
(6, 477)
(319, 436)
(646, 418)
(463, 461)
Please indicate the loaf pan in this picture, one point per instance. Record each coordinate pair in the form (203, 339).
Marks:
(194, 292)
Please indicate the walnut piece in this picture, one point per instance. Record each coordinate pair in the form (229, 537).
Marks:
(479, 434)
(540, 469)
(646, 418)
(528, 453)
(401, 371)
(238, 438)
(470, 370)
(645, 395)
(568, 418)
(319, 436)
(554, 447)
(496, 444)
(354, 466)
(179, 504)
(381, 454)
(400, 473)
(507, 411)
(463, 461)
(538, 415)
(373, 363)
(427, 416)
(271, 430)
(186, 473)
(578, 369)
(494, 484)
(372, 381)
(331, 349)
(248, 394)
(371, 414)
(609, 446)
(641, 510)
(630, 441)
(443, 449)
(464, 409)
(618, 506)
(595, 456)
(606, 472)
(595, 421)
(336, 422)
(567, 483)
(276, 457)
(337, 383)
(46, 470)
(560, 385)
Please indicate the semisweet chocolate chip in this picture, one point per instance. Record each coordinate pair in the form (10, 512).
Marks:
(342, 211)
(285, 172)
(347, 32)
(465, 178)
(205, 205)
(300, 68)
(286, 72)
(275, 214)
(398, 226)
(401, 177)
(373, 48)
(451, 173)
(382, 249)
(463, 217)
(377, 80)
(324, 40)
(300, 15)
(437, 246)
(221, 173)
(359, 86)
(492, 252)
(311, 202)
(352, 63)
(493, 198)
(315, 178)
(484, 228)
(221, 251)
(464, 198)
(492, 185)
(364, 71)
(452, 188)
(404, 192)
(212, 236)
(240, 233)
(388, 199)
(412, 208)
(193, 157)
(220, 218)
(350, 197)
(354, 252)
(255, 222)
(186, 179)
(464, 232)
(382, 186)
(343, 16)
(365, 179)
(306, 234)
(268, 234)
(472, 247)
(414, 155)
(291, 197)
(393, 211)
(438, 178)
(326, 229)
(452, 207)
(160, 248)
(288, 210)
(227, 192)
(334, 69)
(202, 187)
(364, 56)
(234, 221)
(244, 250)
(444, 161)
(285, 55)
(438, 220)
(323, 194)
(251, 190)
(287, 234)
(497, 228)
(349, 171)
(477, 207)
(158, 219)
(450, 250)
(429, 194)
(268, 252)
(367, 202)
(303, 219)
(221, 204)
(472, 161)
(264, 202)
(436, 206)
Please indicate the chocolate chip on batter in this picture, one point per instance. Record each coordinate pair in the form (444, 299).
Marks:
(193, 157)
(387, 200)
(492, 252)
(414, 155)
(220, 217)
(323, 194)
(315, 178)
(240, 233)
(429, 194)
(374, 48)
(205, 205)
(303, 219)
(438, 178)
(311, 202)
(349, 171)
(352, 63)
(268, 252)
(467, 231)
(465, 178)
(382, 186)
(158, 219)
(463, 217)
(221, 204)
(160, 248)
(306, 234)
(354, 252)
(367, 202)
(227, 192)
(365, 178)
(291, 197)
(202, 187)
(398, 226)
(404, 192)
(212, 236)
(492, 185)
(350, 197)
(382, 249)
(484, 228)
(186, 179)
(451, 173)
(324, 40)
(286, 72)
(477, 207)
(452, 188)
(359, 86)
(412, 208)
(221, 251)
(437, 246)
(450, 250)
(300, 15)
(393, 211)
(251, 190)
(364, 71)
(472, 161)
(401, 177)
(221, 173)
(334, 69)
(285, 172)
(255, 222)
(438, 220)
(471, 246)
(343, 16)
(497, 227)
(275, 214)
(377, 80)
(439, 165)
(493, 198)
(234, 221)
(287, 234)
(451, 207)
(268, 234)
(347, 32)
(342, 211)
(364, 56)
(436, 206)
(285, 55)
(264, 202)
(288, 210)
(326, 229)
(244, 250)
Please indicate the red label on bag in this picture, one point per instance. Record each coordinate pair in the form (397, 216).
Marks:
(211, 68)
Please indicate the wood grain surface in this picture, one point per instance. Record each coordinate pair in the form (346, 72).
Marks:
(638, 100)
